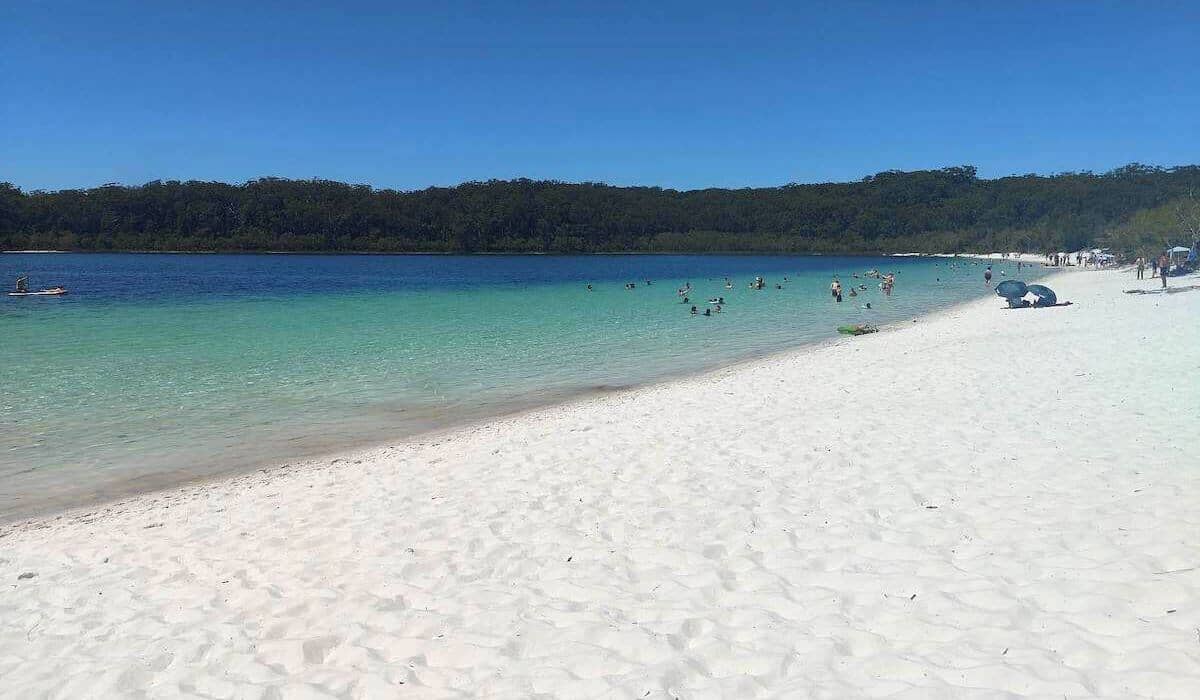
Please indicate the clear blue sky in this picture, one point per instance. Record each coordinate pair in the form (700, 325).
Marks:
(686, 95)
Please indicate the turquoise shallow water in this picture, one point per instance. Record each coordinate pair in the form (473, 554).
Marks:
(162, 368)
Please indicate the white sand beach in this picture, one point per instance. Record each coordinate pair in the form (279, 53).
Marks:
(982, 503)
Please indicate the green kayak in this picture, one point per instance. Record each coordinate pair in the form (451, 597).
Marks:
(857, 329)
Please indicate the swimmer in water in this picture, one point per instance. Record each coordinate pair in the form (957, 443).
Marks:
(708, 312)
(589, 287)
(694, 312)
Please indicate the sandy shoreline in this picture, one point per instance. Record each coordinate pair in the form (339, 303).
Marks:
(985, 502)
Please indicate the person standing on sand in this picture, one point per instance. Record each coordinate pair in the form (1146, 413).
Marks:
(1141, 268)
(1154, 268)
(1164, 266)
(987, 276)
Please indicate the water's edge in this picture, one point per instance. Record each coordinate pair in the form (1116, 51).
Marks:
(119, 489)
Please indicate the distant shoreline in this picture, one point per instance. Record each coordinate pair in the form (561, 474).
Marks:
(855, 254)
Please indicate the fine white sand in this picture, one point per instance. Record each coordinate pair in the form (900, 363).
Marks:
(982, 503)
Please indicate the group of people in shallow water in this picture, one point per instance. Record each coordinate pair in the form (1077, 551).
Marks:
(887, 284)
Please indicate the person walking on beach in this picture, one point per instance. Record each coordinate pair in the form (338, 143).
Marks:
(1164, 266)
(987, 276)
(1141, 268)
(1154, 268)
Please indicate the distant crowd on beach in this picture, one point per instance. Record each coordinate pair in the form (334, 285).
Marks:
(1097, 258)
(1172, 261)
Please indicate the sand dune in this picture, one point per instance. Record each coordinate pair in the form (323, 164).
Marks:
(979, 504)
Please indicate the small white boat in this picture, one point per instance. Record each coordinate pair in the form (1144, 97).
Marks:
(52, 292)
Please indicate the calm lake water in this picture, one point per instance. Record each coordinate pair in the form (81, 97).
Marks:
(157, 368)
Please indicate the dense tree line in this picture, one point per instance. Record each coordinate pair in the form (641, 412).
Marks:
(935, 210)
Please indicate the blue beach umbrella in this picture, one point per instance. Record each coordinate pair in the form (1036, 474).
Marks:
(1045, 295)
(1011, 289)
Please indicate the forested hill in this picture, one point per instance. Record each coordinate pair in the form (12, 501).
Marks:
(934, 210)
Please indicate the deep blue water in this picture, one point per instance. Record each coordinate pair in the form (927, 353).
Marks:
(139, 278)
